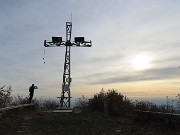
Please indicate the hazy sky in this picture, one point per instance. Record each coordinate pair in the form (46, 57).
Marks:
(135, 46)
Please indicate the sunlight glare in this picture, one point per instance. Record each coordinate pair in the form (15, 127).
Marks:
(141, 62)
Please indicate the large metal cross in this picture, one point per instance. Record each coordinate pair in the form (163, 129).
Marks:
(65, 98)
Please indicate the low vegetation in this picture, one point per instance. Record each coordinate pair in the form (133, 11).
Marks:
(118, 104)
(112, 101)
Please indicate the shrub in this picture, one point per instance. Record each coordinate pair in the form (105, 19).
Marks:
(149, 106)
(82, 102)
(39, 103)
(97, 102)
(116, 102)
(50, 104)
(19, 100)
(5, 96)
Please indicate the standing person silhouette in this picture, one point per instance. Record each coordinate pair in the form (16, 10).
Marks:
(31, 90)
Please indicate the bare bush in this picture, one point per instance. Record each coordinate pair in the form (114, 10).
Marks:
(82, 102)
(19, 100)
(5, 96)
(47, 103)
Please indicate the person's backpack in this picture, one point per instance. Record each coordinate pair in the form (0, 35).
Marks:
(30, 89)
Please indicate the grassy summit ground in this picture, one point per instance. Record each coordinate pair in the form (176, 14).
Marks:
(85, 123)
(122, 119)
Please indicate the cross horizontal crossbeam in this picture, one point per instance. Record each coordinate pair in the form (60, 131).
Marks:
(64, 43)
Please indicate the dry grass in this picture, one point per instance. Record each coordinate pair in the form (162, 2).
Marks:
(86, 122)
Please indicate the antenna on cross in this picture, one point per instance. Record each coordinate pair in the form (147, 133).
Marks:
(65, 98)
(71, 17)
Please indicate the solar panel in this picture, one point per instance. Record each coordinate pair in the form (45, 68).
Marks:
(79, 39)
(56, 39)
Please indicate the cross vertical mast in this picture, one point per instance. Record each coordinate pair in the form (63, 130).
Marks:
(66, 93)
(65, 98)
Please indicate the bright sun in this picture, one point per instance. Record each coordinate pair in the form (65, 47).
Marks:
(141, 62)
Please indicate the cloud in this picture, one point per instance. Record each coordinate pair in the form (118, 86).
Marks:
(120, 77)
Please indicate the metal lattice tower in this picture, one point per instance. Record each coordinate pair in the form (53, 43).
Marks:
(65, 98)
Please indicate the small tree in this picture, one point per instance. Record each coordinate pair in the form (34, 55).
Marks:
(116, 102)
(5, 96)
(97, 102)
